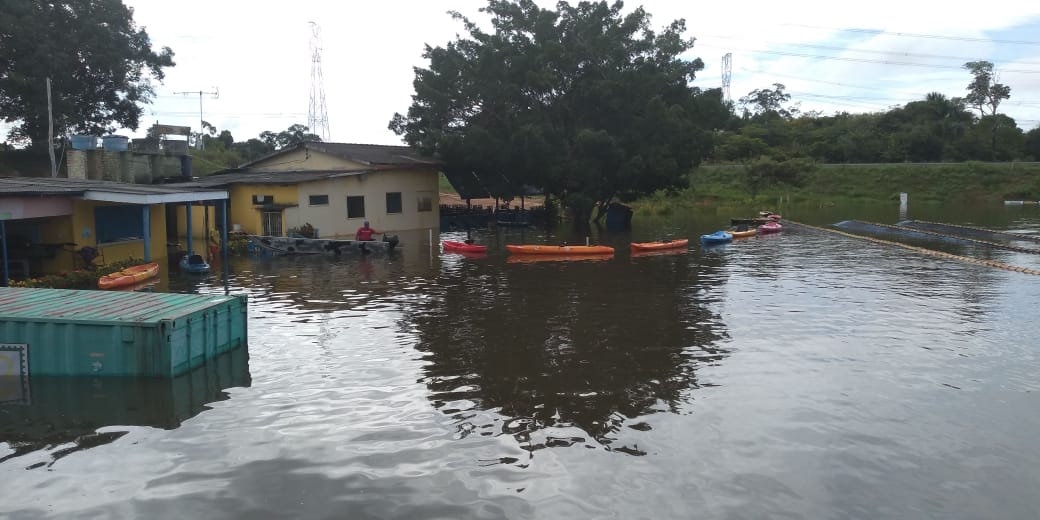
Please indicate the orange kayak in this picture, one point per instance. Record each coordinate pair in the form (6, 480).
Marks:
(128, 276)
(660, 244)
(640, 253)
(743, 234)
(560, 250)
(525, 259)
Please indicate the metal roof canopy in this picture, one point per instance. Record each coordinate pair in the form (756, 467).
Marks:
(106, 191)
(136, 198)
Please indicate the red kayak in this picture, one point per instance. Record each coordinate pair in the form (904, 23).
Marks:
(770, 227)
(462, 247)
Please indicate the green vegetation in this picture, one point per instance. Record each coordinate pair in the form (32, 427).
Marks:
(220, 151)
(834, 183)
(79, 279)
(587, 103)
(935, 129)
(99, 63)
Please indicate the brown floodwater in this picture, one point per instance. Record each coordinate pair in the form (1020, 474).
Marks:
(798, 375)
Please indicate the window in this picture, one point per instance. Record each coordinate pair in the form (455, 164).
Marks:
(425, 200)
(271, 222)
(393, 202)
(356, 206)
(318, 200)
(263, 200)
(118, 223)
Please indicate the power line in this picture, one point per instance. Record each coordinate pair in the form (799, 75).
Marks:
(915, 35)
(865, 60)
(875, 88)
(800, 78)
(863, 51)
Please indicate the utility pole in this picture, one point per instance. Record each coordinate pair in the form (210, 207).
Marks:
(216, 95)
(727, 73)
(50, 130)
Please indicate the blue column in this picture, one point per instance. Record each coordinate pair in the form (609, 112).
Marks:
(224, 232)
(146, 216)
(188, 212)
(3, 231)
(223, 247)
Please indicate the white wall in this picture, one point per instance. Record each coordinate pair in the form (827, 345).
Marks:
(331, 220)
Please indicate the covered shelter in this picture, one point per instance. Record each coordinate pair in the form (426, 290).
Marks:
(41, 216)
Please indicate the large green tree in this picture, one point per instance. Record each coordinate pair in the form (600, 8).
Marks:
(585, 102)
(101, 66)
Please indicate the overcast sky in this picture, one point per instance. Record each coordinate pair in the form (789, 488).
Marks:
(832, 56)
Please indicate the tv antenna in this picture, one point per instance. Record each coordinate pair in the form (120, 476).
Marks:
(317, 113)
(727, 73)
(216, 95)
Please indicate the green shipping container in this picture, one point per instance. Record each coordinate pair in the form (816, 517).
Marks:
(66, 332)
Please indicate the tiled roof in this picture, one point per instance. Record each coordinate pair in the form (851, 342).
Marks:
(368, 154)
(374, 154)
(267, 177)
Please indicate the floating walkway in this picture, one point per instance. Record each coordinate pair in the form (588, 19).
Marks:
(101, 333)
(930, 252)
(874, 227)
(967, 230)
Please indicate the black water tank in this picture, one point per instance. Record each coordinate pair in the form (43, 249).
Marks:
(186, 166)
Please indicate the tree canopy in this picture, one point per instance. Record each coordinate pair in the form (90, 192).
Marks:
(587, 103)
(101, 66)
(221, 151)
(984, 92)
(936, 128)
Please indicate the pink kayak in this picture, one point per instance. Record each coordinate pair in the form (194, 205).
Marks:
(770, 227)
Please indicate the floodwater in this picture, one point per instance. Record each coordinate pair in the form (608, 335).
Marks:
(800, 375)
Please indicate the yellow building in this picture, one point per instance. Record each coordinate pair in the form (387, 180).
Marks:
(334, 187)
(47, 222)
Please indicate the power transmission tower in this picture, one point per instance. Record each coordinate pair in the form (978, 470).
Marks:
(317, 114)
(200, 144)
(727, 73)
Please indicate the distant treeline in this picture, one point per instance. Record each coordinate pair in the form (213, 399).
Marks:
(935, 129)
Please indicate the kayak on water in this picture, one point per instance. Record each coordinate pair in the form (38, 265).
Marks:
(718, 237)
(452, 245)
(660, 244)
(559, 250)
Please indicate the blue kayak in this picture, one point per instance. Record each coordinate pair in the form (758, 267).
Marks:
(194, 264)
(718, 237)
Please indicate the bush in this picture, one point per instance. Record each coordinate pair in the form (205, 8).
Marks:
(78, 279)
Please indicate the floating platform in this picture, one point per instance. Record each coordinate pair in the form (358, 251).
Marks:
(99, 333)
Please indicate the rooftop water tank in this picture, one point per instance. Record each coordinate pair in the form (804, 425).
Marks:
(115, 143)
(84, 142)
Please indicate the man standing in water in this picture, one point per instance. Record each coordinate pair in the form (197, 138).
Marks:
(365, 232)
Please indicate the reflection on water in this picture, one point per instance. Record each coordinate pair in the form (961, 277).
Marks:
(53, 411)
(565, 347)
(797, 375)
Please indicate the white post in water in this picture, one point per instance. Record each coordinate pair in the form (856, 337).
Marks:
(902, 205)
